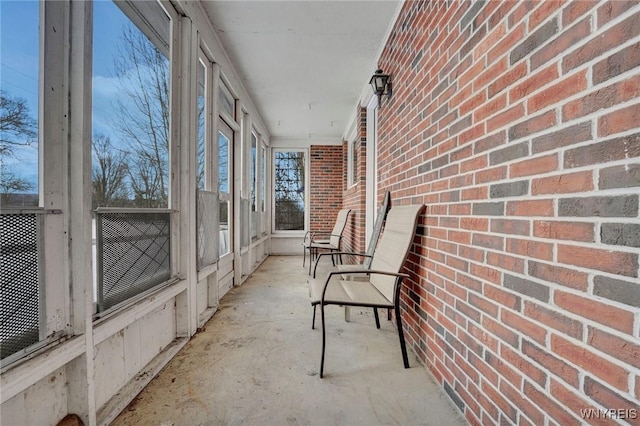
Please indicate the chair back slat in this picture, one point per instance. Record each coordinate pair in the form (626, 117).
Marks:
(393, 247)
(377, 229)
(338, 228)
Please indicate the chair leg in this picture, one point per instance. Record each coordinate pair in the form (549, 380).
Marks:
(389, 314)
(403, 346)
(313, 322)
(375, 314)
(304, 255)
(323, 340)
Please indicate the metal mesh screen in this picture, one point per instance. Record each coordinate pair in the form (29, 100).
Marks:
(20, 306)
(208, 228)
(134, 254)
(244, 222)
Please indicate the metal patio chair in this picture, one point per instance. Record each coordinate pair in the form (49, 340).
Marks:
(381, 289)
(373, 241)
(318, 242)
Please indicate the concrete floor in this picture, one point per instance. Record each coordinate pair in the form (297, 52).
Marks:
(257, 362)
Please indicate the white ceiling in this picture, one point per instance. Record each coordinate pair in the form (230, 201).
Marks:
(304, 63)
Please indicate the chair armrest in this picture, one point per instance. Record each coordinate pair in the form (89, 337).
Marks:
(360, 272)
(366, 272)
(338, 253)
(323, 234)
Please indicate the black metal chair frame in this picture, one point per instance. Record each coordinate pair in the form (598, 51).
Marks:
(395, 304)
(315, 246)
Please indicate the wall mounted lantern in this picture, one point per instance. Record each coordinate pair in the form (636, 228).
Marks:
(380, 84)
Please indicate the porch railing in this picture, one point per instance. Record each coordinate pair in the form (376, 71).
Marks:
(21, 295)
(133, 253)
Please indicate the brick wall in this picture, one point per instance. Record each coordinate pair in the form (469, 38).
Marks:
(518, 125)
(326, 180)
(354, 197)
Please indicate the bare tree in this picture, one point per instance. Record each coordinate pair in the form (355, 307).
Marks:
(109, 174)
(10, 185)
(147, 182)
(17, 128)
(142, 115)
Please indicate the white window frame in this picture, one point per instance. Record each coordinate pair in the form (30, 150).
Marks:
(274, 151)
(351, 163)
(228, 196)
(263, 187)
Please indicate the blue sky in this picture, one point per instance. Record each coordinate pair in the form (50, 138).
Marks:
(19, 22)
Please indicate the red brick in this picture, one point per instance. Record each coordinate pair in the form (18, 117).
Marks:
(564, 137)
(503, 370)
(510, 226)
(505, 118)
(472, 253)
(505, 261)
(563, 42)
(553, 319)
(558, 92)
(616, 64)
(619, 121)
(575, 231)
(615, 262)
(534, 166)
(555, 365)
(588, 360)
(574, 402)
(530, 371)
(606, 397)
(476, 163)
(624, 350)
(476, 193)
(564, 276)
(524, 326)
(532, 125)
(549, 406)
(602, 98)
(619, 148)
(505, 406)
(575, 10)
(474, 223)
(469, 401)
(529, 248)
(490, 108)
(530, 208)
(485, 371)
(533, 83)
(597, 311)
(502, 332)
(563, 184)
(491, 175)
(612, 9)
(472, 102)
(595, 47)
(542, 12)
(484, 337)
(503, 46)
(483, 304)
(529, 409)
(513, 74)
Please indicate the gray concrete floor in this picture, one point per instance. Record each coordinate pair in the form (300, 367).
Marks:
(257, 362)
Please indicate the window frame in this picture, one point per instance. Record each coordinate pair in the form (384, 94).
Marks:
(227, 196)
(274, 152)
(352, 162)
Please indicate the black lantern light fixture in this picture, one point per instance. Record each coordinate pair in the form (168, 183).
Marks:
(380, 84)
